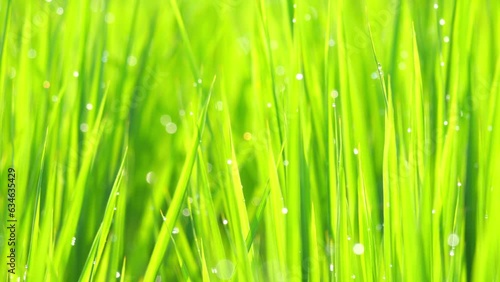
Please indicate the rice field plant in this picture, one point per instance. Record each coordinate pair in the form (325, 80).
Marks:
(265, 140)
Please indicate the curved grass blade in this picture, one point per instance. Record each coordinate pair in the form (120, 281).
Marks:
(178, 198)
(99, 243)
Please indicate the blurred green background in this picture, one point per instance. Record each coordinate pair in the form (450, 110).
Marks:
(265, 140)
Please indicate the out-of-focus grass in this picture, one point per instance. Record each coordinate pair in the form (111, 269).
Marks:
(251, 140)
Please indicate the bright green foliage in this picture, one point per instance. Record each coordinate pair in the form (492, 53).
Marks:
(265, 140)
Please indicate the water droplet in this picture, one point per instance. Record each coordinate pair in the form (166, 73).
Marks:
(274, 44)
(356, 151)
(334, 93)
(490, 128)
(348, 238)
(229, 162)
(353, 276)
(84, 127)
(299, 76)
(247, 136)
(445, 123)
(409, 130)
(60, 11)
(32, 53)
(436, 6)
(284, 210)
(225, 222)
(375, 75)
(131, 61)
(286, 163)
(457, 128)
(446, 39)
(186, 212)
(442, 64)
(433, 211)
(269, 105)
(73, 241)
(280, 70)
(76, 74)
(165, 119)
(255, 201)
(109, 18)
(452, 253)
(118, 274)
(225, 269)
(171, 128)
(331, 266)
(307, 17)
(89, 106)
(331, 42)
(12, 73)
(459, 184)
(358, 249)
(46, 84)
(182, 113)
(219, 106)
(175, 230)
(333, 105)
(453, 240)
(150, 177)
(55, 99)
(442, 21)
(294, 20)
(402, 66)
(244, 44)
